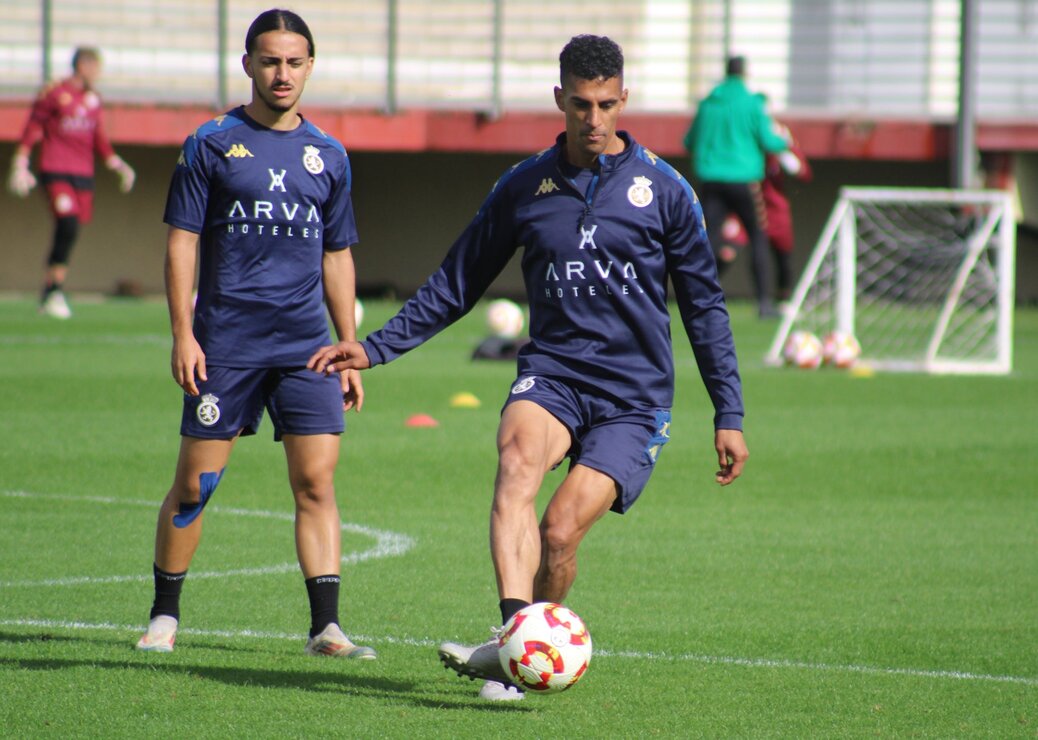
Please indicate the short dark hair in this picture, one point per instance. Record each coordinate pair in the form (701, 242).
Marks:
(277, 19)
(589, 57)
(85, 54)
(736, 66)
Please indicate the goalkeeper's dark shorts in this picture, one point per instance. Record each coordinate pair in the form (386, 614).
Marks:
(70, 195)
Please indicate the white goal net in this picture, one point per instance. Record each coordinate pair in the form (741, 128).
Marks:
(922, 278)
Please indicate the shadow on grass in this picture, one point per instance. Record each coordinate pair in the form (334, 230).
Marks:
(319, 679)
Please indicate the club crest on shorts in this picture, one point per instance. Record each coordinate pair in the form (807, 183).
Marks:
(312, 160)
(640, 193)
(208, 412)
(523, 385)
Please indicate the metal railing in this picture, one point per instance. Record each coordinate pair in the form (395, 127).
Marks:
(848, 58)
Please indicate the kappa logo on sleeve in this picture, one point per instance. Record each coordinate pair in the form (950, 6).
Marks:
(238, 151)
(547, 186)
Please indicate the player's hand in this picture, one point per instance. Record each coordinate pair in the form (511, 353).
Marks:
(127, 177)
(188, 362)
(342, 356)
(352, 390)
(21, 179)
(731, 454)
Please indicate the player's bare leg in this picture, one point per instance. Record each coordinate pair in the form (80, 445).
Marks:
(311, 469)
(530, 442)
(175, 545)
(311, 466)
(583, 498)
(179, 530)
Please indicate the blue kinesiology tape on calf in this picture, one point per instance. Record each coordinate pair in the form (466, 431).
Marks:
(189, 512)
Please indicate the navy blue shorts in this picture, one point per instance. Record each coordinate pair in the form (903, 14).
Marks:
(619, 441)
(232, 401)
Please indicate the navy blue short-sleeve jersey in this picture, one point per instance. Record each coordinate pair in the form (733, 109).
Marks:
(266, 205)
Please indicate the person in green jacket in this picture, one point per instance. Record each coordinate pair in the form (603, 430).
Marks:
(728, 140)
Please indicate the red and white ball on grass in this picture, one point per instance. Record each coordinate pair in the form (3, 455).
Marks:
(505, 318)
(803, 349)
(545, 648)
(840, 349)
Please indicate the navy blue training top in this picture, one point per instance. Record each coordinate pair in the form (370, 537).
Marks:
(598, 247)
(266, 204)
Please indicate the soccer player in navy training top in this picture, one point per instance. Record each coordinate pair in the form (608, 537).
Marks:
(264, 196)
(603, 223)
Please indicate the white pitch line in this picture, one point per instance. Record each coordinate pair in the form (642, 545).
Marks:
(387, 544)
(599, 653)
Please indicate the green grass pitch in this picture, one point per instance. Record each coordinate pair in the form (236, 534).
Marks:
(874, 573)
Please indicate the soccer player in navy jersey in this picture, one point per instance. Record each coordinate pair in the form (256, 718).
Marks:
(603, 223)
(264, 197)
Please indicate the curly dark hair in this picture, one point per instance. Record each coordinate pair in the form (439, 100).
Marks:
(589, 57)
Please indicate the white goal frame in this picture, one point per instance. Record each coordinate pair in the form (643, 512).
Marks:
(839, 248)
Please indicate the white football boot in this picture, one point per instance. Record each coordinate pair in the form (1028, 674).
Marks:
(480, 661)
(55, 305)
(497, 691)
(161, 634)
(332, 642)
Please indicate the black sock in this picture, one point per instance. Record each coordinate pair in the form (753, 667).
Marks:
(509, 607)
(324, 601)
(167, 593)
(48, 289)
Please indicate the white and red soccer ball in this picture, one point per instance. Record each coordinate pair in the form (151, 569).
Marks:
(803, 349)
(505, 318)
(544, 647)
(840, 349)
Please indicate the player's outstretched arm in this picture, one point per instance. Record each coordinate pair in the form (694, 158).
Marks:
(731, 454)
(338, 357)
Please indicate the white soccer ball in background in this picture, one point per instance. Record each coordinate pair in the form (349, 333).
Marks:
(803, 349)
(505, 318)
(544, 647)
(358, 312)
(840, 349)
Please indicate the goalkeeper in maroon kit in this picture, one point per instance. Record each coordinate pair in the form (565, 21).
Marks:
(66, 121)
